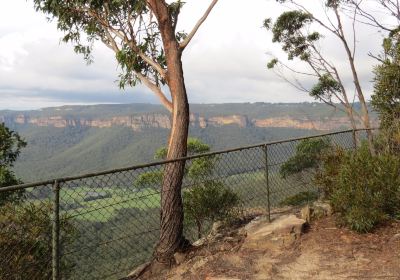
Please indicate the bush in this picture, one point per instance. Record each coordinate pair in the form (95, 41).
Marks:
(363, 189)
(326, 175)
(386, 97)
(307, 157)
(306, 161)
(8, 178)
(208, 202)
(25, 241)
(10, 148)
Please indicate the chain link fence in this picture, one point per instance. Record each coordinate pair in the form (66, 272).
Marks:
(103, 225)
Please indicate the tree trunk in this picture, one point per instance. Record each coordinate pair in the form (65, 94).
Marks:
(356, 80)
(364, 108)
(349, 110)
(171, 220)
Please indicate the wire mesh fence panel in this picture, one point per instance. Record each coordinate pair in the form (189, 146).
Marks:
(109, 222)
(116, 218)
(26, 233)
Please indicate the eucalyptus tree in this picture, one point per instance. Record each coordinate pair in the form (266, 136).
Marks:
(295, 31)
(148, 49)
(386, 97)
(381, 14)
(384, 16)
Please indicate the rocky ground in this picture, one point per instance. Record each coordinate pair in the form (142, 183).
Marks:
(291, 248)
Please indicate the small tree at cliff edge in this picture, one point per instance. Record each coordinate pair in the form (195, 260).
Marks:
(148, 49)
(10, 148)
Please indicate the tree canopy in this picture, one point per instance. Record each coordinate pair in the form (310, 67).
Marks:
(10, 147)
(386, 97)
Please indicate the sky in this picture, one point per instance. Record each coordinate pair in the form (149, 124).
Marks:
(225, 62)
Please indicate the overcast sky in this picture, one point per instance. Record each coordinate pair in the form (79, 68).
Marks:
(226, 61)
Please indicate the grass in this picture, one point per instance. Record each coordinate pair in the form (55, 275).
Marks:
(300, 198)
(103, 209)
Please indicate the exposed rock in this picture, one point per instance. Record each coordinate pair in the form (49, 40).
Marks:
(306, 213)
(179, 257)
(138, 271)
(198, 262)
(200, 242)
(216, 227)
(316, 210)
(160, 120)
(282, 231)
(324, 207)
(240, 120)
(303, 123)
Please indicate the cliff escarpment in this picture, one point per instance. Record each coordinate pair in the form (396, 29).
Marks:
(138, 122)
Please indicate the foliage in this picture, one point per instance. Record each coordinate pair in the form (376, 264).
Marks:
(288, 30)
(325, 87)
(327, 174)
(124, 26)
(294, 31)
(300, 198)
(197, 169)
(306, 158)
(208, 202)
(386, 97)
(11, 144)
(207, 199)
(194, 146)
(365, 188)
(8, 178)
(149, 180)
(10, 147)
(25, 234)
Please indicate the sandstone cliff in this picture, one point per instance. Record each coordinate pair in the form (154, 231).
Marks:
(138, 122)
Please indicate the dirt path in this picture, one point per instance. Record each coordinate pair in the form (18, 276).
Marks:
(323, 251)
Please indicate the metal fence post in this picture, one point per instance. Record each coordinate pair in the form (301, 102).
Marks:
(56, 232)
(267, 181)
(354, 132)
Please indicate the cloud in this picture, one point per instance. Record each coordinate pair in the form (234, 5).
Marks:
(226, 61)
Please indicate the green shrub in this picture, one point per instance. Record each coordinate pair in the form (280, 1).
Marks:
(306, 161)
(306, 158)
(8, 178)
(10, 148)
(208, 202)
(386, 97)
(364, 189)
(300, 199)
(25, 241)
(326, 175)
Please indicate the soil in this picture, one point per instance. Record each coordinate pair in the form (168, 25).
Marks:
(324, 251)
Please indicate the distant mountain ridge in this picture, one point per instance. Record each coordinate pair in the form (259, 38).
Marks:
(299, 116)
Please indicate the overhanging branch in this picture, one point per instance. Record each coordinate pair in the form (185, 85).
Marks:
(197, 26)
(154, 88)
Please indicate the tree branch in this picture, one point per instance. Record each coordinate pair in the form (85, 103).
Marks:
(130, 41)
(197, 26)
(154, 88)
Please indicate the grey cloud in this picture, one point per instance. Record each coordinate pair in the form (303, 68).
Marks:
(226, 62)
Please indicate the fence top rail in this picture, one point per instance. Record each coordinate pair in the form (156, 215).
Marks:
(140, 166)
